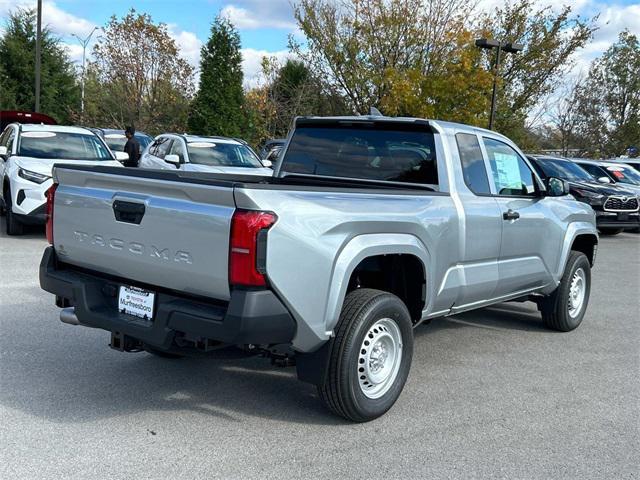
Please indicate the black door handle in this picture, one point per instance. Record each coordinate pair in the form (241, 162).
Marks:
(510, 215)
(128, 212)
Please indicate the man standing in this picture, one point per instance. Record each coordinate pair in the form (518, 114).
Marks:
(132, 147)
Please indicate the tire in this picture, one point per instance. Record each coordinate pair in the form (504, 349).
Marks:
(634, 230)
(562, 310)
(352, 370)
(14, 226)
(610, 231)
(160, 353)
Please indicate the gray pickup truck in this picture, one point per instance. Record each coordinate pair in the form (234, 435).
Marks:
(369, 226)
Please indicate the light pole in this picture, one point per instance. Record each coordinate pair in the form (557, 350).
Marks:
(38, 54)
(84, 42)
(500, 46)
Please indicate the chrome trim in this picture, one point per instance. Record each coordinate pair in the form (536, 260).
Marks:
(624, 199)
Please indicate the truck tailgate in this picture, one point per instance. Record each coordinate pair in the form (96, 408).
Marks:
(147, 229)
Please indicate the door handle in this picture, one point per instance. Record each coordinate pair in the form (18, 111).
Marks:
(510, 215)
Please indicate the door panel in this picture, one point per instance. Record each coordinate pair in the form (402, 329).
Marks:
(527, 226)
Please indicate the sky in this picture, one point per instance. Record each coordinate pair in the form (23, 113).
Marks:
(265, 25)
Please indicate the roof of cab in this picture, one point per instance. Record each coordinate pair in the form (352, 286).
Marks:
(381, 118)
(198, 138)
(55, 128)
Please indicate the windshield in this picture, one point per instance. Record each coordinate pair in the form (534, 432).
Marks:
(217, 154)
(62, 146)
(624, 175)
(402, 153)
(563, 169)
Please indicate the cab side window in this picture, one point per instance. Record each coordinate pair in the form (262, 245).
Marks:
(473, 167)
(510, 173)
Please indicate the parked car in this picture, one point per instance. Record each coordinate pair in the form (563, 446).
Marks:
(616, 208)
(191, 153)
(633, 162)
(116, 139)
(370, 226)
(623, 175)
(269, 146)
(27, 155)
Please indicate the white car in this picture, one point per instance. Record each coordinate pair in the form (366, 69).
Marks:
(27, 156)
(191, 153)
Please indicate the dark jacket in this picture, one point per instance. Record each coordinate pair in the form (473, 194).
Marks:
(132, 147)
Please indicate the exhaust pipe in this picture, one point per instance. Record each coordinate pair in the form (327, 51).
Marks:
(68, 315)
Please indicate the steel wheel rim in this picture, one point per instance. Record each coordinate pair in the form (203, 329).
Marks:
(379, 358)
(577, 292)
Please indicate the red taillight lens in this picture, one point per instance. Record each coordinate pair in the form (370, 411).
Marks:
(50, 194)
(243, 246)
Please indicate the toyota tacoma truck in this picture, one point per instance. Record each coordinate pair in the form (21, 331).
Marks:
(370, 226)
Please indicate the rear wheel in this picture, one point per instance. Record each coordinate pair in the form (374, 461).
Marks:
(13, 224)
(564, 309)
(610, 231)
(370, 356)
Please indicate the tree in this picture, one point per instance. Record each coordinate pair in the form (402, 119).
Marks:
(565, 116)
(610, 100)
(59, 94)
(527, 78)
(137, 77)
(362, 46)
(218, 106)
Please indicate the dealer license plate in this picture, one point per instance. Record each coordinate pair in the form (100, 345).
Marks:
(136, 301)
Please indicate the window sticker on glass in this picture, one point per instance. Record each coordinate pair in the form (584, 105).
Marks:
(507, 170)
(114, 135)
(202, 144)
(38, 134)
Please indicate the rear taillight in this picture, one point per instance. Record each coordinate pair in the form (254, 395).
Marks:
(247, 247)
(50, 194)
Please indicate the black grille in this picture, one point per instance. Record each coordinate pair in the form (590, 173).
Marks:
(621, 203)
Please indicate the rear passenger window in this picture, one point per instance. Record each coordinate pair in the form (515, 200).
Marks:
(473, 168)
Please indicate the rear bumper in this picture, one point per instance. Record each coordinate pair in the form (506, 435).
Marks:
(251, 316)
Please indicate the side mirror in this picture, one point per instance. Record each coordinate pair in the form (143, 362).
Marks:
(3, 152)
(556, 187)
(267, 163)
(604, 180)
(173, 160)
(122, 156)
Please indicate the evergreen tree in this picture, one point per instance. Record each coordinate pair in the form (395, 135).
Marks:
(218, 106)
(59, 93)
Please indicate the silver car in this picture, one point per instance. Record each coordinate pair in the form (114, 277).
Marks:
(190, 153)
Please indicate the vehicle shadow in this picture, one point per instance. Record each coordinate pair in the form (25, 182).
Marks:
(68, 374)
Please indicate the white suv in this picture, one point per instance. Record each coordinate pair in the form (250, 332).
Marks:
(27, 156)
(191, 153)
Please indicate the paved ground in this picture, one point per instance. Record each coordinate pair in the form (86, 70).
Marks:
(491, 395)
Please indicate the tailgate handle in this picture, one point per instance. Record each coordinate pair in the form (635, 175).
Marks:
(128, 212)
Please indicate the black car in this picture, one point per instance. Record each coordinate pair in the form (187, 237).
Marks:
(116, 139)
(616, 208)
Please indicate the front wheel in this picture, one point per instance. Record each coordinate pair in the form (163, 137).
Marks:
(370, 356)
(610, 231)
(13, 224)
(564, 309)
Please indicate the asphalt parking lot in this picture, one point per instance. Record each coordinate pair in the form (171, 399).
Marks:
(491, 395)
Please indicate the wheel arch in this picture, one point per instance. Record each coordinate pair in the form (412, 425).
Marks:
(404, 248)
